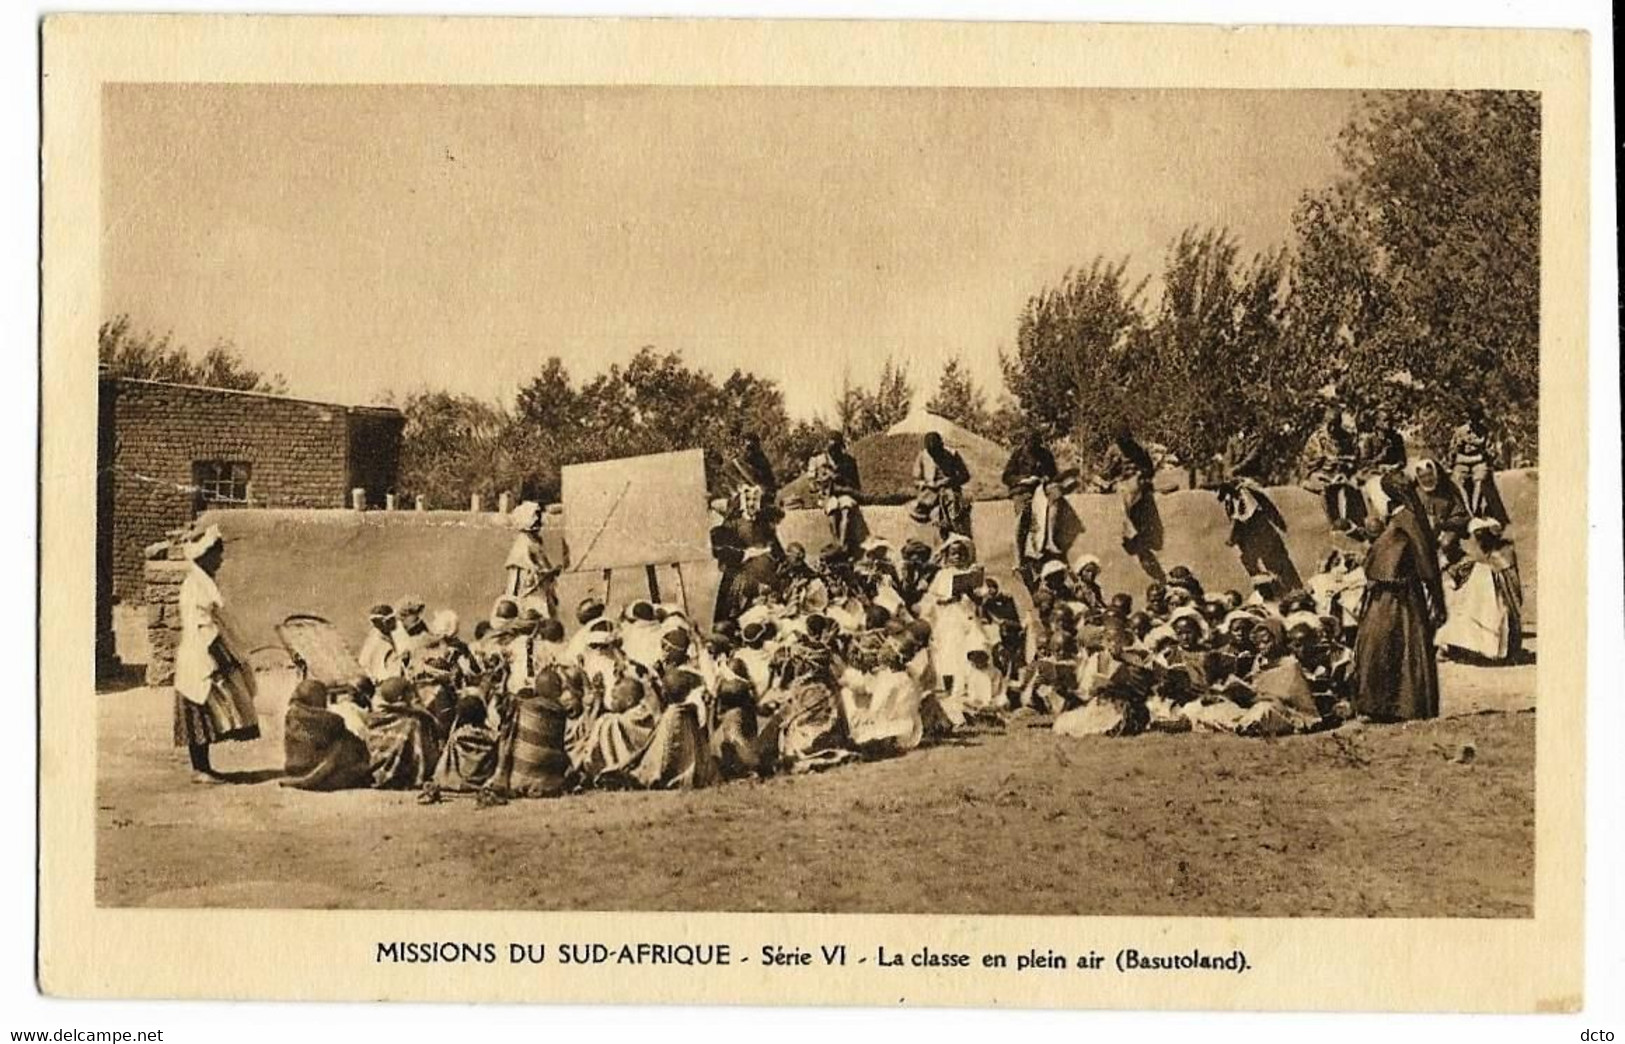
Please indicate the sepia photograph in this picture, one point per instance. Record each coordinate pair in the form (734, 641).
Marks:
(985, 501)
(816, 513)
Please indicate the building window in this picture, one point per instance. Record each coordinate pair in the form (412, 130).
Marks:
(219, 484)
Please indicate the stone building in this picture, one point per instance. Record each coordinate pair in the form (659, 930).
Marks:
(167, 452)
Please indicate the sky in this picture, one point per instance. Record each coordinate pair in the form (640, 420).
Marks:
(366, 240)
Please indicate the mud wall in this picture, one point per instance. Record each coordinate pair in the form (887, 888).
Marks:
(338, 563)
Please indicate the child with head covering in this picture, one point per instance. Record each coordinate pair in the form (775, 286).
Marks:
(951, 609)
(1086, 581)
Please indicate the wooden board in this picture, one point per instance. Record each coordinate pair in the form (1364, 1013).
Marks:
(636, 511)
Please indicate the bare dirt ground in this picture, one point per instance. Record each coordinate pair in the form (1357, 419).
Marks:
(1362, 822)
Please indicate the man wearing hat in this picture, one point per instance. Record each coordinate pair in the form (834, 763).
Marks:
(214, 687)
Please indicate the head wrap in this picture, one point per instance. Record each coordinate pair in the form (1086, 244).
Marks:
(444, 624)
(526, 516)
(1186, 612)
(1085, 560)
(1306, 620)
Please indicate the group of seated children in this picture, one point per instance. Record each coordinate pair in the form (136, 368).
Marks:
(1257, 665)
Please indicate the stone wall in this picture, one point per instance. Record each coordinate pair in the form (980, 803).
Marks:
(163, 570)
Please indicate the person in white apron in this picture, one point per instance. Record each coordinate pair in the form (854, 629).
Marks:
(531, 574)
(214, 686)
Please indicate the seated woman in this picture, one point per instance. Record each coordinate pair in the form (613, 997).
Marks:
(403, 743)
(1325, 664)
(469, 759)
(1051, 683)
(1194, 652)
(1485, 597)
(618, 730)
(677, 754)
(320, 751)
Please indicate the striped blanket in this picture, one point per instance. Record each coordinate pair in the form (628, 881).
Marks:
(321, 753)
(469, 759)
(676, 757)
(402, 746)
(531, 761)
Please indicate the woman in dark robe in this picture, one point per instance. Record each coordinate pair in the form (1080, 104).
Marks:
(1396, 676)
(1444, 505)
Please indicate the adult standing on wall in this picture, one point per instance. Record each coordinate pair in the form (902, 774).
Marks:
(531, 574)
(1028, 477)
(214, 687)
(833, 475)
(1396, 675)
(1472, 466)
(1329, 460)
(1128, 469)
(940, 477)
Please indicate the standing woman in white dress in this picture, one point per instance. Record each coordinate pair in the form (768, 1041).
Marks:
(949, 607)
(214, 687)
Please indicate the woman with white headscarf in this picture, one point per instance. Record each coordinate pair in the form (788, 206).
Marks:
(214, 687)
(950, 608)
(1486, 599)
(531, 574)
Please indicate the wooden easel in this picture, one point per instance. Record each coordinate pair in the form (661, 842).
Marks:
(651, 575)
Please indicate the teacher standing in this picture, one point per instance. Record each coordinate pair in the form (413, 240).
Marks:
(214, 687)
(1396, 674)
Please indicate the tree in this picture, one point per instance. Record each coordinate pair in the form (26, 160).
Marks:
(1078, 356)
(1424, 258)
(863, 411)
(655, 403)
(456, 445)
(123, 352)
(1221, 357)
(959, 399)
